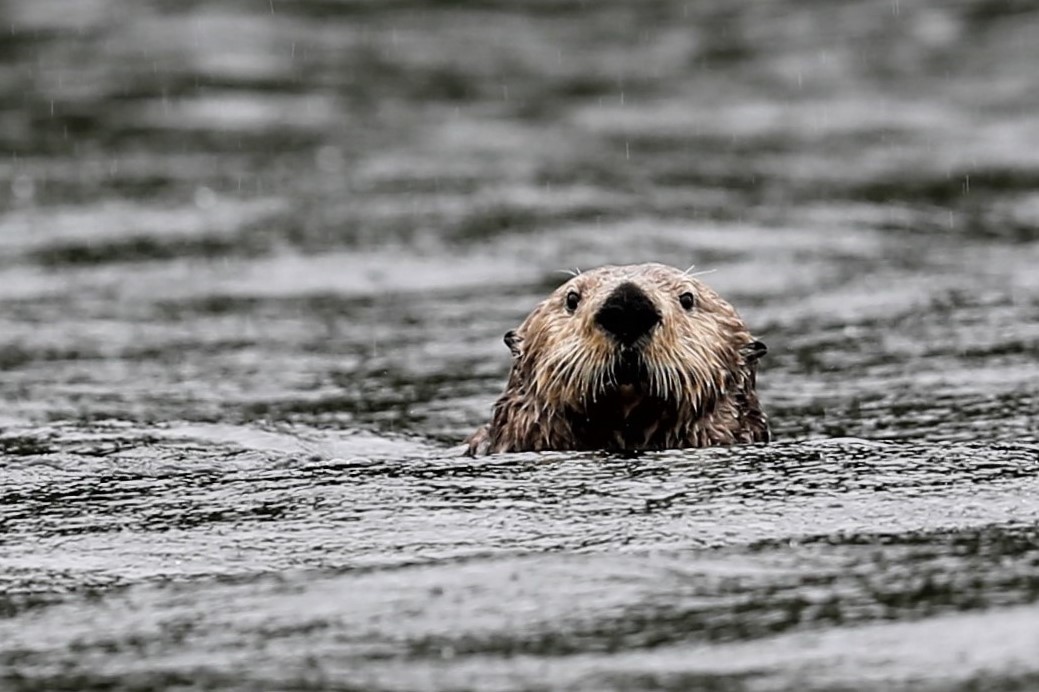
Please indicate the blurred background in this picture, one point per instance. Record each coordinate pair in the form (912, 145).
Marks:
(256, 260)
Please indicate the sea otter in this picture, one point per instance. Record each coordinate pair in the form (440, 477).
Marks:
(628, 358)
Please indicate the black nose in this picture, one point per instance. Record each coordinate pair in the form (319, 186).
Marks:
(627, 314)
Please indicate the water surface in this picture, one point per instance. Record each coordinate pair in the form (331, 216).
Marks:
(256, 260)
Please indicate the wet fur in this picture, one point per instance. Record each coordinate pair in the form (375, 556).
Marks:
(570, 387)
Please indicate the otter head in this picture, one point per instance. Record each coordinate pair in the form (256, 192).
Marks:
(629, 357)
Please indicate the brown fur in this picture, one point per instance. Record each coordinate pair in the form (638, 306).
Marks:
(695, 385)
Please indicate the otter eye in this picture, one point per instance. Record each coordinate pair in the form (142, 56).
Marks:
(573, 298)
(687, 300)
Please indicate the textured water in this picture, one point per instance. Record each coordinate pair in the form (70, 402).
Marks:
(256, 260)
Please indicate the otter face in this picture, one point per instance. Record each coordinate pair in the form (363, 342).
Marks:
(627, 333)
(628, 358)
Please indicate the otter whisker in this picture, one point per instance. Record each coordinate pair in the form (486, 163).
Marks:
(569, 371)
(654, 381)
(599, 382)
(674, 382)
(662, 380)
(560, 376)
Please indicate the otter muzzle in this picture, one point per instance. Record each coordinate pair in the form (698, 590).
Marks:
(628, 314)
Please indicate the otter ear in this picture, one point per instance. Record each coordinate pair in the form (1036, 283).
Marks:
(512, 340)
(753, 351)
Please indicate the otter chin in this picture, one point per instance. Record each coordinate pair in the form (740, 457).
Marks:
(628, 358)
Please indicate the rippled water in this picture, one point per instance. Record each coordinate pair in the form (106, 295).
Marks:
(256, 260)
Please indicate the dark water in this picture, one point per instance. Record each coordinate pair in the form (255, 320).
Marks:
(256, 259)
